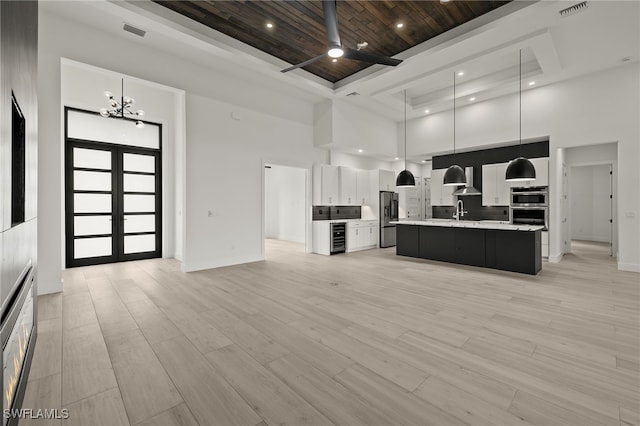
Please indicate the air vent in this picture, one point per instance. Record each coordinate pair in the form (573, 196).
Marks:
(574, 9)
(353, 94)
(133, 30)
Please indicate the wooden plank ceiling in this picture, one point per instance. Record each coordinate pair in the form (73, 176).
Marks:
(298, 31)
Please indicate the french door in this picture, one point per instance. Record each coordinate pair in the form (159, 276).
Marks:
(113, 203)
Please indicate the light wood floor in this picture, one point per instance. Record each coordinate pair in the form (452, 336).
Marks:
(366, 338)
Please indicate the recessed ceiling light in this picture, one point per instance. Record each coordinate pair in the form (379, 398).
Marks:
(444, 1)
(532, 83)
(423, 161)
(396, 158)
(334, 60)
(269, 25)
(472, 99)
(426, 111)
(360, 151)
(460, 73)
(399, 25)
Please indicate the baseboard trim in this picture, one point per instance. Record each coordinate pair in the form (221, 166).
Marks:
(186, 267)
(555, 259)
(631, 267)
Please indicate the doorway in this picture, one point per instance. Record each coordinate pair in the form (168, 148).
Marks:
(285, 207)
(113, 202)
(591, 195)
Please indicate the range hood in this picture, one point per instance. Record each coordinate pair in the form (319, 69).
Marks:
(468, 189)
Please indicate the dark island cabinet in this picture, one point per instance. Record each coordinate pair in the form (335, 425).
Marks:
(470, 245)
(508, 250)
(410, 236)
(517, 251)
(437, 243)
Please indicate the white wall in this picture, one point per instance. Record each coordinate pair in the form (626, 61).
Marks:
(358, 161)
(271, 125)
(339, 123)
(598, 108)
(590, 203)
(285, 207)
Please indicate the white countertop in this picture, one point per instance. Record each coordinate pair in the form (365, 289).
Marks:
(483, 224)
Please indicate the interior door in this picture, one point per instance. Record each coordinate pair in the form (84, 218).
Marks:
(113, 203)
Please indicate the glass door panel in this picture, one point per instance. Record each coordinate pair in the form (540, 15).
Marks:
(91, 158)
(96, 181)
(138, 163)
(139, 243)
(92, 247)
(91, 225)
(139, 223)
(139, 183)
(139, 203)
(92, 203)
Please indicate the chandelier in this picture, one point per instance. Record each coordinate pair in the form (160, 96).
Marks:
(121, 109)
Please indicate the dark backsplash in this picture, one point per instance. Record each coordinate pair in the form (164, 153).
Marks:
(336, 212)
(473, 205)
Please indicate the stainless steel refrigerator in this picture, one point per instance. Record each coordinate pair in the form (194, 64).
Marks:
(388, 213)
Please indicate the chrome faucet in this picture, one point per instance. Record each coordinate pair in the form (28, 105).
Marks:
(460, 211)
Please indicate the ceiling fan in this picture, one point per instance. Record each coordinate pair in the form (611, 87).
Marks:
(334, 47)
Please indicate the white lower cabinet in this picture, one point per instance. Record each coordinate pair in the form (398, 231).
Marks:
(362, 235)
(545, 243)
(321, 237)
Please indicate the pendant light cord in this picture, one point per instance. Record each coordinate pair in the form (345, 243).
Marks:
(122, 97)
(405, 129)
(454, 112)
(520, 90)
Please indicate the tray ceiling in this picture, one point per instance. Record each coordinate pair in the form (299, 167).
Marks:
(297, 30)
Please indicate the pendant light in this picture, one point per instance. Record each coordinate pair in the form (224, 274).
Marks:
(454, 176)
(520, 169)
(405, 178)
(121, 109)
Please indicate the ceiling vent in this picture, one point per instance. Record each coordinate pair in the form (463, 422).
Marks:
(133, 30)
(574, 9)
(353, 94)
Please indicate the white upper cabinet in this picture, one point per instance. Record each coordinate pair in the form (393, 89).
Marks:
(326, 185)
(387, 180)
(495, 188)
(363, 187)
(348, 186)
(542, 173)
(441, 195)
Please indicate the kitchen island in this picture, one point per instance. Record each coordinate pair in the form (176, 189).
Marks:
(487, 244)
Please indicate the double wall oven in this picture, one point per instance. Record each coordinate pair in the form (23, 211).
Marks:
(530, 206)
